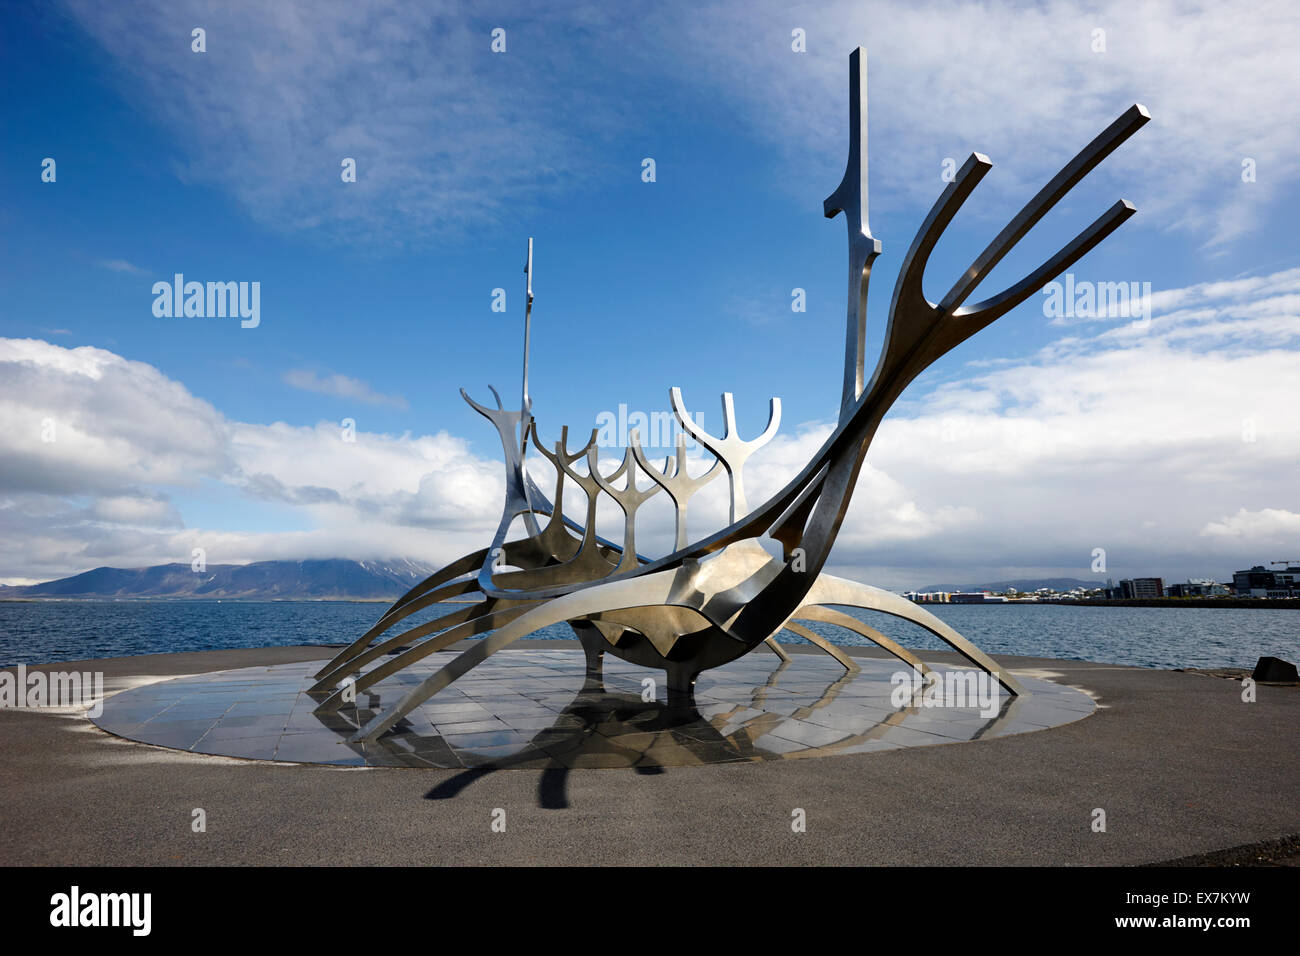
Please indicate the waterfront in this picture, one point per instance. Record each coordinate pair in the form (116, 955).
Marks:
(42, 632)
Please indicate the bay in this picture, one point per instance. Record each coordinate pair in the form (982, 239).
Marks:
(43, 632)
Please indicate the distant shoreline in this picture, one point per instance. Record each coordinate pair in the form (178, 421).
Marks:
(1291, 603)
(181, 599)
(1276, 604)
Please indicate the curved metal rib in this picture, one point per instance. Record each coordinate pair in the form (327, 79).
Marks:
(819, 642)
(778, 650)
(445, 639)
(828, 615)
(833, 590)
(353, 665)
(606, 596)
(457, 568)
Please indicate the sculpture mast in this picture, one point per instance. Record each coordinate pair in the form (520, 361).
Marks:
(526, 403)
(850, 198)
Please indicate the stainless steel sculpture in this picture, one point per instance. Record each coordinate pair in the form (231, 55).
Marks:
(711, 601)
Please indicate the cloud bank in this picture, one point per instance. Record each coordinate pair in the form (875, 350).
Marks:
(1172, 444)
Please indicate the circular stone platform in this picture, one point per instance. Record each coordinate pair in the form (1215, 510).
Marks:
(530, 709)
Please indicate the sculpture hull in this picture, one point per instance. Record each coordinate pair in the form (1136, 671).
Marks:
(691, 655)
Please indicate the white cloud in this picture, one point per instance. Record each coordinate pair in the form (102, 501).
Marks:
(136, 511)
(121, 265)
(1267, 525)
(341, 386)
(85, 421)
(127, 441)
(1174, 447)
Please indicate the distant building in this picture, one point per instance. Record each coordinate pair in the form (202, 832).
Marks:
(1258, 578)
(976, 597)
(1142, 588)
(927, 597)
(1260, 582)
(1203, 587)
(954, 597)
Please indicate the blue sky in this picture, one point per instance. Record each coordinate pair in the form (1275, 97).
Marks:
(1016, 455)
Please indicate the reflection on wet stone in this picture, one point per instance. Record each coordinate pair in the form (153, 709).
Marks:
(537, 709)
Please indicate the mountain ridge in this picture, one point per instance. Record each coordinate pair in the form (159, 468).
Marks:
(337, 579)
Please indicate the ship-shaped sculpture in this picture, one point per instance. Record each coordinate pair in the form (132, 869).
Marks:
(717, 598)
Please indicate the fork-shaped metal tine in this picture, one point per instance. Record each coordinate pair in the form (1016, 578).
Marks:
(629, 498)
(562, 458)
(518, 486)
(684, 419)
(678, 483)
(729, 420)
(561, 447)
(504, 420)
(730, 449)
(485, 410)
(556, 507)
(659, 477)
(1087, 159)
(675, 478)
(730, 438)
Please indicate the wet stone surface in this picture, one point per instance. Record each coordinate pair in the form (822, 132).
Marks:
(535, 709)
